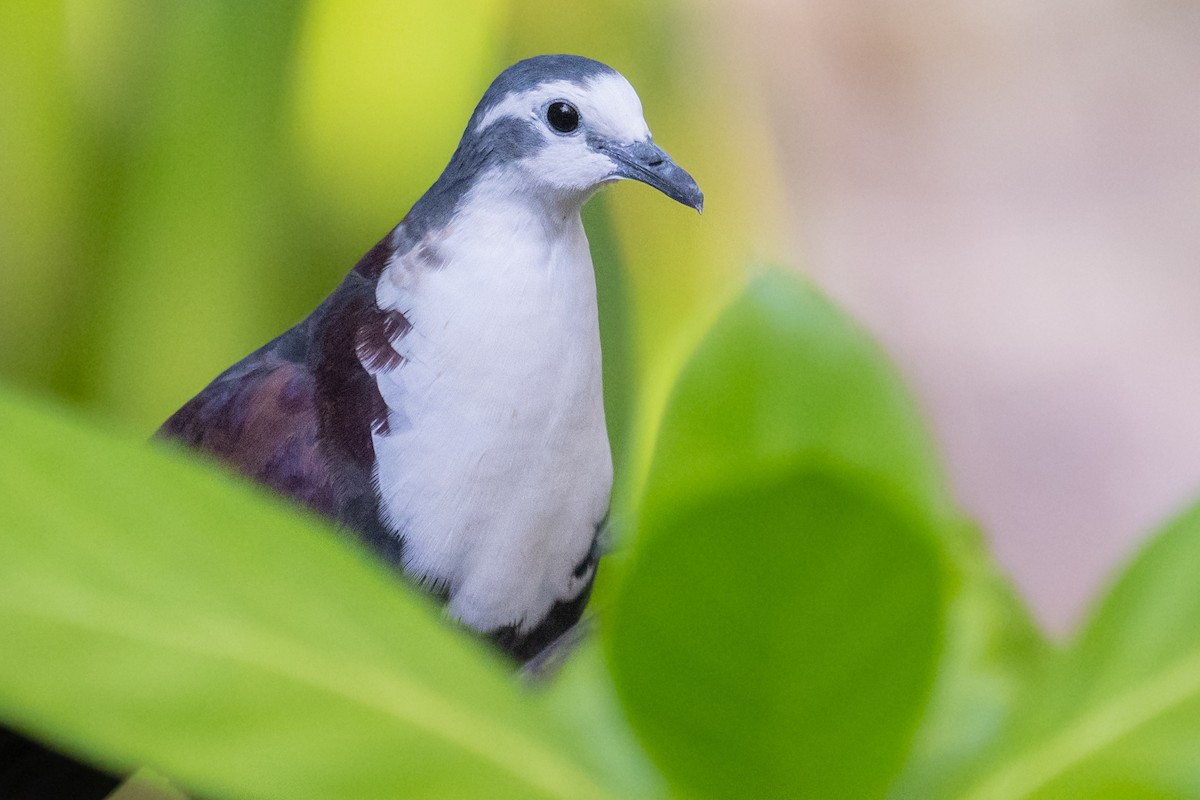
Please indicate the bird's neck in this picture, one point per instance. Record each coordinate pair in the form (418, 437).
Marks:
(509, 263)
(496, 407)
(510, 195)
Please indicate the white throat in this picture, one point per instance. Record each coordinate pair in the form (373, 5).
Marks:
(496, 467)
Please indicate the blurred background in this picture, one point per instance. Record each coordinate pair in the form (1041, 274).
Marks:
(1006, 194)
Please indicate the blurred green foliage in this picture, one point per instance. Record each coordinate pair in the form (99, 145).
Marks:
(790, 456)
(798, 608)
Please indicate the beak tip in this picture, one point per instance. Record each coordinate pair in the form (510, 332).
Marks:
(648, 163)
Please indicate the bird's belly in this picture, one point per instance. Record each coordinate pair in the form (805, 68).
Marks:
(496, 468)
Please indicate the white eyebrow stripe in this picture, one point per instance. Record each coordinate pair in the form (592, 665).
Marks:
(615, 111)
(517, 105)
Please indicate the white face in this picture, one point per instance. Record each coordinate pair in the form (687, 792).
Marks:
(608, 108)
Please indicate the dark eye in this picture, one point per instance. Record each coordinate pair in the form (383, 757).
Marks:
(563, 117)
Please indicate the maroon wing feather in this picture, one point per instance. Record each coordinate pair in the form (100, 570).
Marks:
(261, 418)
(297, 414)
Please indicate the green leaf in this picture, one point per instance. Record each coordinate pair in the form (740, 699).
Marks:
(583, 697)
(786, 375)
(779, 641)
(992, 654)
(783, 376)
(1118, 714)
(777, 630)
(155, 613)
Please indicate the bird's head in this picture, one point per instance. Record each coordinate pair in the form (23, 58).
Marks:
(567, 125)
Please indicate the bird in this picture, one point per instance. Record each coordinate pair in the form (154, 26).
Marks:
(444, 403)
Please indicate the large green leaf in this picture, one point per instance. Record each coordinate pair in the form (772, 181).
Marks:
(785, 375)
(1118, 714)
(780, 641)
(776, 634)
(153, 612)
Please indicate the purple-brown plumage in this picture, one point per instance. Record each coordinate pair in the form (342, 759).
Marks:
(263, 424)
(297, 414)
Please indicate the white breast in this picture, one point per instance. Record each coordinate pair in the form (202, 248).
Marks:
(496, 467)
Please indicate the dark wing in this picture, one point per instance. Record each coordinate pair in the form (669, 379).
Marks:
(261, 418)
(297, 414)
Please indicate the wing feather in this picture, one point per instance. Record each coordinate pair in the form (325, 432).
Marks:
(261, 418)
(297, 415)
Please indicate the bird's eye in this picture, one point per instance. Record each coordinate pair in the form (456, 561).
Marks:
(563, 117)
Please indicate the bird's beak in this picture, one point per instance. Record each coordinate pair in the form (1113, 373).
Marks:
(650, 164)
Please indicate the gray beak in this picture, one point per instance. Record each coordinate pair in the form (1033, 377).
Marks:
(650, 164)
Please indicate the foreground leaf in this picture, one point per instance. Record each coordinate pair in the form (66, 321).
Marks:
(582, 696)
(785, 375)
(1118, 715)
(155, 613)
(992, 654)
(780, 641)
(777, 631)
